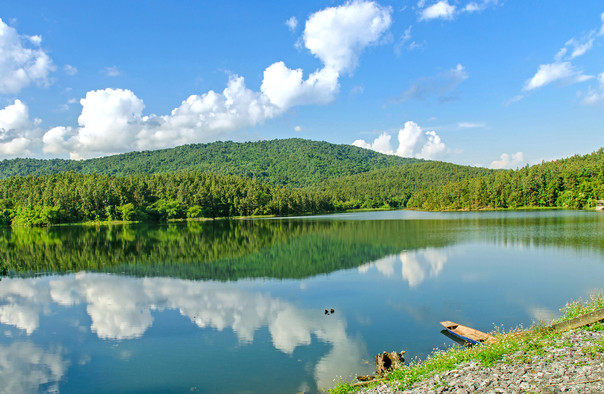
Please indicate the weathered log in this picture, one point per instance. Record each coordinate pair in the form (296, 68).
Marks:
(583, 320)
(386, 361)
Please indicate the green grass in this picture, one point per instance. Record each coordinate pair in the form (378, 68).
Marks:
(525, 344)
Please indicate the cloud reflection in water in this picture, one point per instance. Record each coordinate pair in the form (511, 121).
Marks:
(415, 266)
(122, 308)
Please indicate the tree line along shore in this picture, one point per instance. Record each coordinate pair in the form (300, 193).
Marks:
(240, 180)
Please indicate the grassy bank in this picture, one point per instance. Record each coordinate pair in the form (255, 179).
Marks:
(526, 343)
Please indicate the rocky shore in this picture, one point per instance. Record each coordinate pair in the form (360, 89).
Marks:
(573, 363)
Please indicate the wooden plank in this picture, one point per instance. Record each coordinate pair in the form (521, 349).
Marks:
(580, 321)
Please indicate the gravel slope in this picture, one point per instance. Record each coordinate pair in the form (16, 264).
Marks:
(574, 363)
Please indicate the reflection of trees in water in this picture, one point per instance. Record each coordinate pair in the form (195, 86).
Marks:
(224, 250)
(290, 248)
(122, 308)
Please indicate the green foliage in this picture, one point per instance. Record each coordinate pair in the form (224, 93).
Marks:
(573, 183)
(286, 162)
(70, 197)
(217, 250)
(393, 187)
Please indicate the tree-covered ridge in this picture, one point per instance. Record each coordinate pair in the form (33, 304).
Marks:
(575, 182)
(70, 197)
(394, 186)
(286, 162)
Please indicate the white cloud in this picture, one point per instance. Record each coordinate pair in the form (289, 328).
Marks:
(507, 161)
(292, 23)
(440, 10)
(112, 120)
(470, 125)
(412, 142)
(298, 129)
(17, 133)
(477, 7)
(557, 71)
(580, 48)
(337, 35)
(380, 144)
(601, 32)
(112, 71)
(595, 96)
(442, 86)
(70, 70)
(21, 66)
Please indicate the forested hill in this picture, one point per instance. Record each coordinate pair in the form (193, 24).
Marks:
(394, 186)
(287, 162)
(576, 182)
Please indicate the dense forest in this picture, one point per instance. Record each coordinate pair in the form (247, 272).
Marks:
(335, 178)
(393, 187)
(576, 182)
(288, 162)
(70, 197)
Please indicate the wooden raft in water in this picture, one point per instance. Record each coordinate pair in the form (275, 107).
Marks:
(467, 334)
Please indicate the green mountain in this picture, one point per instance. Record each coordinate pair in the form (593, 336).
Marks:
(289, 162)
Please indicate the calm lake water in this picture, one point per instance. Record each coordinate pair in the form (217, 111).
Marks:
(238, 306)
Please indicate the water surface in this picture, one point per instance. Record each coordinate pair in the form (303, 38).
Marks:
(239, 306)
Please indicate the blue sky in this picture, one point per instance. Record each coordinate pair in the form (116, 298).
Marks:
(481, 82)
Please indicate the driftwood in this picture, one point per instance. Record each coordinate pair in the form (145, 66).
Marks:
(583, 320)
(386, 361)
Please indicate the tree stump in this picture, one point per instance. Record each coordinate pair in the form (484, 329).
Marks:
(386, 361)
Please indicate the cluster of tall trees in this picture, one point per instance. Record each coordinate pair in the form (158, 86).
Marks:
(576, 182)
(70, 197)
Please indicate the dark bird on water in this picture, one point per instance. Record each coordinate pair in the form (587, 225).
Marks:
(327, 313)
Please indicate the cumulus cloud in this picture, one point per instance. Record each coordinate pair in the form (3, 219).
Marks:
(112, 120)
(508, 161)
(17, 132)
(21, 65)
(335, 35)
(441, 86)
(380, 144)
(440, 10)
(412, 142)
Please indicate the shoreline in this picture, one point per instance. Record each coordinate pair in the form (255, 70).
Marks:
(573, 362)
(540, 359)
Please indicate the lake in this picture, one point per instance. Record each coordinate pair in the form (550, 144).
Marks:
(240, 306)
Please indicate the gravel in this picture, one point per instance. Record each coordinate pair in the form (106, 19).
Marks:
(573, 364)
